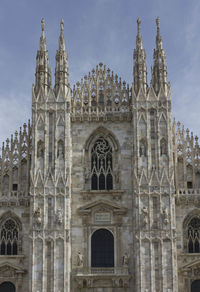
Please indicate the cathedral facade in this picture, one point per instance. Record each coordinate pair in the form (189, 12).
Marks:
(100, 192)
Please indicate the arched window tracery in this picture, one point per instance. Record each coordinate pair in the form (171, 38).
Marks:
(9, 237)
(193, 234)
(101, 165)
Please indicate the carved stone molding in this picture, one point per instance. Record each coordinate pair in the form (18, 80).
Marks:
(102, 277)
(113, 194)
(188, 200)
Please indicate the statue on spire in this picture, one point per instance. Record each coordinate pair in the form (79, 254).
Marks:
(139, 37)
(61, 38)
(139, 68)
(42, 76)
(42, 38)
(159, 70)
(158, 37)
(61, 71)
(62, 25)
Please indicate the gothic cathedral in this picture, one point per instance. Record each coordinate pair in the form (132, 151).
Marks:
(100, 192)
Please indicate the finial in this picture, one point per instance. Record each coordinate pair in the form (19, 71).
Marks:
(62, 25)
(138, 25)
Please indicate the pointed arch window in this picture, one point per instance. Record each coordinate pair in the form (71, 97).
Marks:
(193, 233)
(101, 165)
(9, 237)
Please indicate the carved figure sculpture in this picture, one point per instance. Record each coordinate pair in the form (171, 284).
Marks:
(59, 216)
(37, 215)
(125, 260)
(79, 259)
(165, 216)
(144, 216)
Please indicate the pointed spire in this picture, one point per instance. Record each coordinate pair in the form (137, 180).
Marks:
(43, 74)
(139, 69)
(61, 71)
(159, 70)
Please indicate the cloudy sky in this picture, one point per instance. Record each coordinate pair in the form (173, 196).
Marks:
(98, 31)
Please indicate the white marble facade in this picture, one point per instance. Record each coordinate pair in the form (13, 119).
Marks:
(100, 192)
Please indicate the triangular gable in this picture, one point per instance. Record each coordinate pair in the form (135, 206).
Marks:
(161, 94)
(39, 179)
(60, 95)
(49, 179)
(51, 96)
(40, 122)
(60, 180)
(86, 209)
(143, 180)
(40, 95)
(142, 119)
(191, 265)
(8, 266)
(141, 96)
(162, 118)
(151, 94)
(154, 181)
(60, 121)
(164, 179)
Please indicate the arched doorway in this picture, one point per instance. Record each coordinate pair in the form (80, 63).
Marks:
(195, 287)
(102, 252)
(7, 287)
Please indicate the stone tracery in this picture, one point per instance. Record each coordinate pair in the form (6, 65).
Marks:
(101, 165)
(9, 237)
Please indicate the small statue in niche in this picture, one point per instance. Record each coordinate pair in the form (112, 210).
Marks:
(142, 149)
(37, 215)
(79, 259)
(125, 260)
(144, 216)
(163, 148)
(59, 216)
(86, 174)
(165, 216)
(60, 153)
(40, 149)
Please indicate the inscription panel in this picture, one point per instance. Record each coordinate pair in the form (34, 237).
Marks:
(102, 217)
